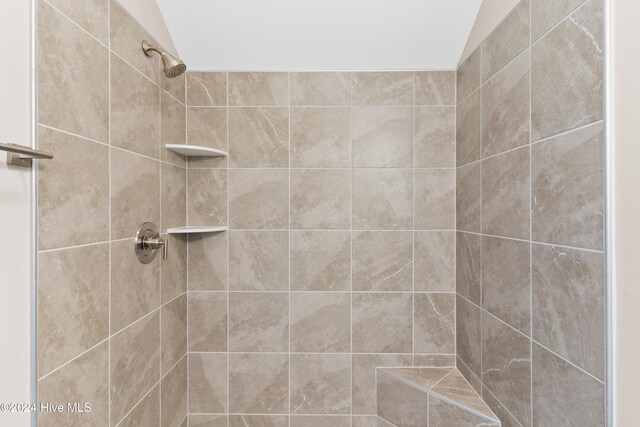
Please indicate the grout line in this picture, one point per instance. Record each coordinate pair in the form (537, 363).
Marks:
(530, 231)
(597, 251)
(289, 248)
(109, 381)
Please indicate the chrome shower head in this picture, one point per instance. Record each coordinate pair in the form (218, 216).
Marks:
(172, 67)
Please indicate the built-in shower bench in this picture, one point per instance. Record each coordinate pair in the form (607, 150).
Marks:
(421, 397)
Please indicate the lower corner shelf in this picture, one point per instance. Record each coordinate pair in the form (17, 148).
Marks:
(190, 229)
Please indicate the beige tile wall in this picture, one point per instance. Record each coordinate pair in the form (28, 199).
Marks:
(339, 192)
(111, 331)
(530, 214)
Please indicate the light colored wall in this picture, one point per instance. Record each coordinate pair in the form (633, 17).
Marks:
(626, 204)
(149, 16)
(489, 16)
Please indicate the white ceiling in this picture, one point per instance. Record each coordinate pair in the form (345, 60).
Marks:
(319, 34)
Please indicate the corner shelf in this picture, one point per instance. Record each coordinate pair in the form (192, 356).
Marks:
(190, 229)
(195, 150)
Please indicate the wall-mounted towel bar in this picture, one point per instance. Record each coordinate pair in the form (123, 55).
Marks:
(19, 155)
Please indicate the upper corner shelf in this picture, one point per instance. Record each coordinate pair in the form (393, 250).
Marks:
(190, 229)
(195, 150)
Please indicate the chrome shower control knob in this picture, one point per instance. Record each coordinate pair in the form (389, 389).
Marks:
(148, 242)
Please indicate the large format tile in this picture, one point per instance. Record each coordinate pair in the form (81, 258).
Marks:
(444, 414)
(73, 98)
(567, 74)
(258, 321)
(206, 89)
(135, 364)
(92, 15)
(173, 196)
(84, 379)
(383, 88)
(434, 87)
(259, 137)
(434, 137)
(320, 322)
(208, 383)
(382, 136)
(434, 199)
(469, 197)
(434, 323)
(382, 199)
(569, 305)
(468, 334)
(320, 421)
(207, 197)
(321, 137)
(468, 75)
(59, 209)
(135, 110)
(545, 14)
(505, 194)
(258, 198)
(146, 412)
(468, 130)
(258, 260)
(401, 404)
(381, 322)
(564, 395)
(207, 263)
(208, 420)
(364, 378)
(320, 384)
(435, 261)
(173, 128)
(382, 261)
(207, 127)
(173, 271)
(173, 332)
(258, 421)
(173, 396)
(567, 187)
(320, 199)
(469, 266)
(258, 89)
(258, 383)
(320, 88)
(320, 260)
(207, 324)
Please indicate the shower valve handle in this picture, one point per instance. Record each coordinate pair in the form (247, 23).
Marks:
(148, 242)
(156, 243)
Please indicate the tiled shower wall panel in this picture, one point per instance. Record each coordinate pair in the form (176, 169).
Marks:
(339, 193)
(530, 216)
(111, 331)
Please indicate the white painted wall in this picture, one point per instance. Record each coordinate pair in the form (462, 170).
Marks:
(625, 129)
(148, 14)
(489, 16)
(15, 211)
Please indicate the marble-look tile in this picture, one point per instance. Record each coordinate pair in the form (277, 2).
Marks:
(505, 108)
(208, 383)
(207, 324)
(469, 266)
(126, 38)
(258, 89)
(321, 137)
(434, 323)
(207, 127)
(468, 76)
(320, 199)
(73, 303)
(321, 88)
(202, 420)
(468, 338)
(258, 198)
(444, 414)
(175, 87)
(84, 379)
(320, 421)
(545, 14)
(435, 261)
(506, 367)
(173, 195)
(564, 395)
(455, 386)
(434, 87)
(60, 210)
(320, 260)
(567, 174)
(146, 412)
(434, 137)
(259, 260)
(259, 321)
(135, 287)
(382, 322)
(173, 333)
(135, 110)
(76, 98)
(468, 374)
(435, 360)
(368, 421)
(133, 178)
(173, 271)
(363, 396)
(506, 286)
(434, 199)
(505, 194)
(173, 395)
(320, 384)
(382, 261)
(423, 378)
(207, 263)
(569, 305)
(92, 15)
(401, 404)
(258, 383)
(259, 137)
(506, 419)
(259, 420)
(567, 73)
(173, 128)
(468, 130)
(207, 89)
(135, 364)
(469, 197)
(382, 136)
(507, 40)
(382, 88)
(207, 196)
(320, 322)
(382, 199)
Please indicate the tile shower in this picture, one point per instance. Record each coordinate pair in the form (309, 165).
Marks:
(427, 218)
